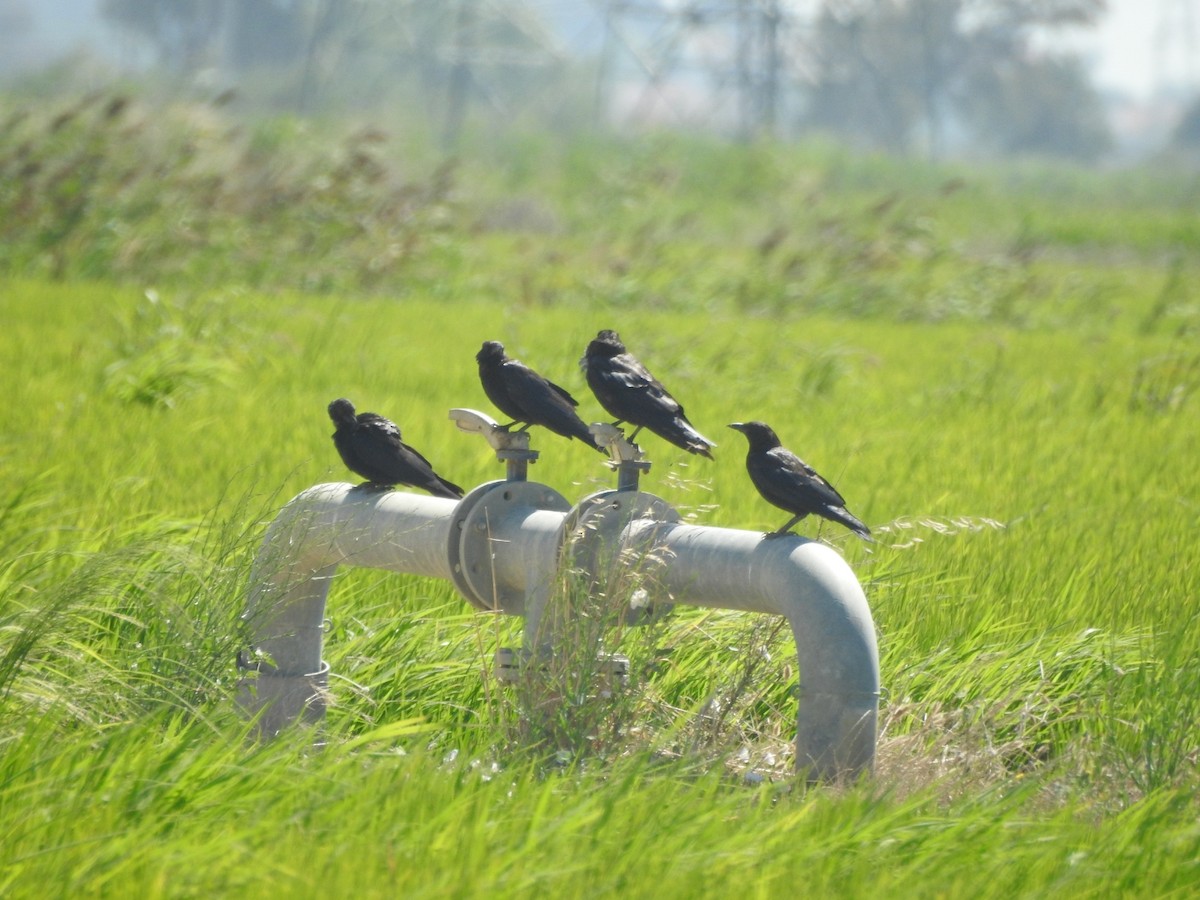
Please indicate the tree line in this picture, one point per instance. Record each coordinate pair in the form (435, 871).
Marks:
(907, 76)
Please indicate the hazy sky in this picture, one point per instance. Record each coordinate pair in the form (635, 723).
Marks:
(1142, 43)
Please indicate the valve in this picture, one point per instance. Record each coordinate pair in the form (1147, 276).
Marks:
(512, 447)
(622, 570)
(627, 458)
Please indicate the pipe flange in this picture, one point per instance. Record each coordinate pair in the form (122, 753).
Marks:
(595, 543)
(471, 552)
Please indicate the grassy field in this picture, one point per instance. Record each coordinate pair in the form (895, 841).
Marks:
(999, 369)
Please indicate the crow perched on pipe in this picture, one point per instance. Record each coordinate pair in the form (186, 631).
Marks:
(787, 481)
(627, 390)
(370, 446)
(525, 396)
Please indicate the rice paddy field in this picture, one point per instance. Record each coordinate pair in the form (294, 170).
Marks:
(999, 367)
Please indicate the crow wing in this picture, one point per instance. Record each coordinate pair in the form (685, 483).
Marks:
(790, 483)
(495, 385)
(380, 448)
(532, 392)
(543, 402)
(377, 425)
(629, 391)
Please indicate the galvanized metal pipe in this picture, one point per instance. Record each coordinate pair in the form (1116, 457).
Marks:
(324, 527)
(502, 547)
(815, 590)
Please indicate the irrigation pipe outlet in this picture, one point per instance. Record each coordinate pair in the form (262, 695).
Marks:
(506, 545)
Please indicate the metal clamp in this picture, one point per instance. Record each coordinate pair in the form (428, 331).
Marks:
(277, 698)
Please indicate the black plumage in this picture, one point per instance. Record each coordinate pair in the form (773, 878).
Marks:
(787, 481)
(370, 446)
(525, 396)
(627, 390)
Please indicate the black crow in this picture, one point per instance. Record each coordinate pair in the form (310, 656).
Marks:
(370, 446)
(525, 396)
(790, 483)
(628, 391)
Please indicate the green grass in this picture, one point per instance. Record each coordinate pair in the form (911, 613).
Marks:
(1008, 398)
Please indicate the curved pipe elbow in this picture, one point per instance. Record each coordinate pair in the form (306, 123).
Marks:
(320, 529)
(815, 590)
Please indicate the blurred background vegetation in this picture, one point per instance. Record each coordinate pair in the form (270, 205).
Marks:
(968, 79)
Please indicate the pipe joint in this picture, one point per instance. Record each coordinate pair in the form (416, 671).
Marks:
(494, 546)
(612, 559)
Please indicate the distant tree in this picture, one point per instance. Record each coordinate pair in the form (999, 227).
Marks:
(1043, 107)
(1187, 132)
(181, 32)
(454, 58)
(242, 34)
(16, 22)
(901, 74)
(266, 32)
(452, 54)
(883, 67)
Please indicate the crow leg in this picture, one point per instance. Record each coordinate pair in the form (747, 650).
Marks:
(790, 522)
(375, 487)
